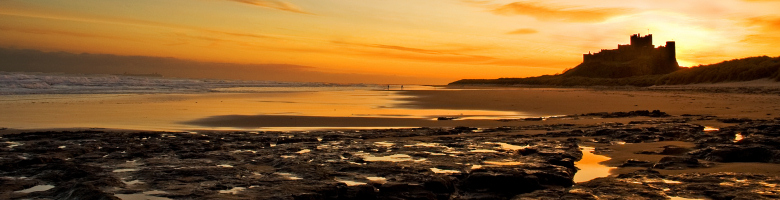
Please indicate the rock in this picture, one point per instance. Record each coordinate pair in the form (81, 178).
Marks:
(636, 163)
(446, 118)
(678, 162)
(81, 191)
(506, 182)
(736, 153)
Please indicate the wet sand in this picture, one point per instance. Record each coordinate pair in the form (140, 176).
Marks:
(563, 101)
(449, 162)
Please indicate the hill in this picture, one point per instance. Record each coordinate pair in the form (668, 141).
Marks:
(744, 69)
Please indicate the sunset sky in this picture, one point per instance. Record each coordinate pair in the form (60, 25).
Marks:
(433, 41)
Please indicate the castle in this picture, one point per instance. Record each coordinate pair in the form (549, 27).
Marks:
(638, 58)
(640, 46)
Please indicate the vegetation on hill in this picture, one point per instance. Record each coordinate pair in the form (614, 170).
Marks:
(743, 69)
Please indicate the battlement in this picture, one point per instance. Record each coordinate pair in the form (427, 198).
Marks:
(640, 57)
(640, 46)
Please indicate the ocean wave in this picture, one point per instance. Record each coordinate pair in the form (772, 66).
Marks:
(12, 83)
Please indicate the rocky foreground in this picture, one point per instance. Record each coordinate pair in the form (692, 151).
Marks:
(528, 162)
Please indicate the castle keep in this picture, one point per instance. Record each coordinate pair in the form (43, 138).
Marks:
(639, 58)
(640, 46)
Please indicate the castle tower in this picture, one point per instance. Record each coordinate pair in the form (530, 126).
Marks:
(670, 50)
(639, 41)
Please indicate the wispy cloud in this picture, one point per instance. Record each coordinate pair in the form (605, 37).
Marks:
(128, 22)
(413, 53)
(58, 32)
(559, 13)
(766, 23)
(274, 4)
(523, 31)
(768, 27)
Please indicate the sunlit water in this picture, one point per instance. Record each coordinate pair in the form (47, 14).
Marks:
(168, 111)
(589, 166)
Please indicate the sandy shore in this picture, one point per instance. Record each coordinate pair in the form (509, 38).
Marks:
(554, 101)
(703, 145)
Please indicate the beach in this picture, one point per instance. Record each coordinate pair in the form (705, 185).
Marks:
(509, 143)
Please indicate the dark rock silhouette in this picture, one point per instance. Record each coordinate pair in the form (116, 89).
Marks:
(639, 58)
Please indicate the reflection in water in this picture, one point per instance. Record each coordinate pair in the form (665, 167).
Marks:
(380, 180)
(709, 128)
(505, 163)
(444, 171)
(682, 198)
(390, 158)
(288, 176)
(589, 167)
(738, 137)
(350, 182)
(37, 188)
(166, 111)
(235, 190)
(510, 147)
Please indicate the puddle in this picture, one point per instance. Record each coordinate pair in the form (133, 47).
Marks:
(444, 171)
(11, 145)
(133, 182)
(303, 151)
(380, 180)
(502, 163)
(483, 151)
(384, 144)
(738, 137)
(506, 146)
(244, 151)
(349, 182)
(682, 198)
(589, 167)
(124, 170)
(618, 142)
(710, 128)
(37, 188)
(510, 147)
(226, 166)
(148, 195)
(288, 176)
(671, 181)
(234, 190)
(390, 158)
(423, 144)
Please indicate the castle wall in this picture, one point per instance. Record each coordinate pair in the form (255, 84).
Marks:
(639, 47)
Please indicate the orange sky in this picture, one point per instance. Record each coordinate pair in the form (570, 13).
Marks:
(435, 41)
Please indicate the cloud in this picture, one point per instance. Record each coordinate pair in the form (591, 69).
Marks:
(273, 4)
(419, 54)
(558, 13)
(766, 23)
(768, 30)
(523, 31)
(58, 32)
(124, 22)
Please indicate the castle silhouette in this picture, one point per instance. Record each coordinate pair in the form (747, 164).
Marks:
(640, 57)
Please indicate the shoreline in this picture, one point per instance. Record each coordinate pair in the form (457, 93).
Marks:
(700, 141)
(471, 161)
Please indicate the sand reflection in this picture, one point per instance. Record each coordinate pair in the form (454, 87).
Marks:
(166, 112)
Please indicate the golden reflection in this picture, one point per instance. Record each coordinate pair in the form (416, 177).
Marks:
(590, 167)
(166, 112)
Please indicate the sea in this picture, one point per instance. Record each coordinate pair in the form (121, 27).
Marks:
(65, 101)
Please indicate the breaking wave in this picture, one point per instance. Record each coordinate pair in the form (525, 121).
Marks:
(47, 83)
